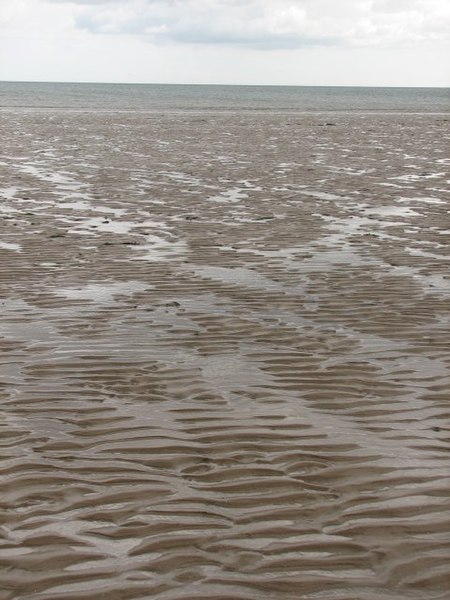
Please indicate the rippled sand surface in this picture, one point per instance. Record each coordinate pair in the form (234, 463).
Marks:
(224, 357)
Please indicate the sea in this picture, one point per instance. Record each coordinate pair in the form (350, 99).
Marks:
(234, 98)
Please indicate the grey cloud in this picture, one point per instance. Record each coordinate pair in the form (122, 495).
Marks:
(251, 24)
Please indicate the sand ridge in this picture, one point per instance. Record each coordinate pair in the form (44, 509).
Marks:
(224, 356)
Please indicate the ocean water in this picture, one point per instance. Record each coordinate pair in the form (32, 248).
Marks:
(159, 97)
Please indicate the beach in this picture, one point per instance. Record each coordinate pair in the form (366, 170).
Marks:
(224, 361)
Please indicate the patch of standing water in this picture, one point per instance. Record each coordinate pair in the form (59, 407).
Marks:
(282, 253)
(410, 177)
(236, 275)
(118, 212)
(102, 292)
(104, 226)
(8, 193)
(392, 211)
(233, 195)
(85, 205)
(430, 283)
(78, 205)
(418, 252)
(160, 249)
(427, 200)
(56, 178)
(7, 246)
(323, 260)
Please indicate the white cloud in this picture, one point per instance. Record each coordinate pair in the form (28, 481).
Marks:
(268, 24)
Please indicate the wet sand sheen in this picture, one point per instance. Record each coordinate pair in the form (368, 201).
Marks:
(224, 357)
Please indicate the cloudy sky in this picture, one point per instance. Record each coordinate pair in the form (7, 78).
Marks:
(294, 42)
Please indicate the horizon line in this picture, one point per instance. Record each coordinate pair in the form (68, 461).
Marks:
(444, 87)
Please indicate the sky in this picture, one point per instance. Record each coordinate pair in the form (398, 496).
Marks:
(266, 42)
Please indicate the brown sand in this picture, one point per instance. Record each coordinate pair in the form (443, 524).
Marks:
(224, 357)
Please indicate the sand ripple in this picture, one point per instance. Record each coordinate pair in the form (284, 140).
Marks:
(224, 358)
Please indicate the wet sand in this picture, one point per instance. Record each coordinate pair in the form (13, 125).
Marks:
(224, 356)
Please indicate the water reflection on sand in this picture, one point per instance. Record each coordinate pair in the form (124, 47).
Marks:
(224, 357)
